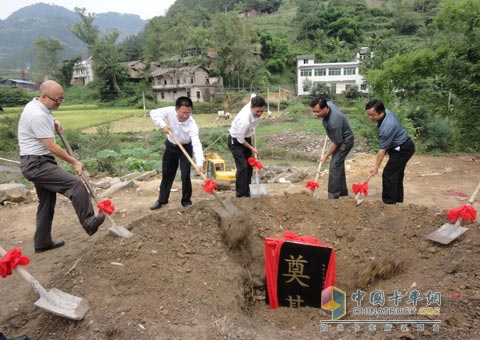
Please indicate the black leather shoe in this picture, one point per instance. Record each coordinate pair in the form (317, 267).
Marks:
(55, 244)
(186, 204)
(156, 205)
(96, 223)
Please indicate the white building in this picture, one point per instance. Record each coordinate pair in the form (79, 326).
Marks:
(82, 72)
(340, 77)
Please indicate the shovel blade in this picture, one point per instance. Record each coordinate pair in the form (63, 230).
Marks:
(359, 197)
(446, 233)
(118, 230)
(63, 304)
(235, 224)
(258, 190)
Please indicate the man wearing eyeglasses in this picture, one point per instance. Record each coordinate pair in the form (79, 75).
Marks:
(36, 139)
(338, 130)
(178, 120)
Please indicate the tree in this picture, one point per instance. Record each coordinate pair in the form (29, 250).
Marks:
(85, 30)
(64, 77)
(230, 38)
(459, 55)
(47, 56)
(109, 73)
(132, 47)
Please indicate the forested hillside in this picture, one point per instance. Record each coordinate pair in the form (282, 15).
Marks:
(20, 31)
(425, 53)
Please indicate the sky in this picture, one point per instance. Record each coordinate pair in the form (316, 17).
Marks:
(146, 9)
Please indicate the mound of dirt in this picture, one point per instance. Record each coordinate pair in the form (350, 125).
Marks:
(181, 277)
(177, 279)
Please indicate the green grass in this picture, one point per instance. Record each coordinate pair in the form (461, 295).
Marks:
(78, 119)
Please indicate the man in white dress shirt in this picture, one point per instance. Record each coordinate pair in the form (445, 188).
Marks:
(240, 142)
(179, 121)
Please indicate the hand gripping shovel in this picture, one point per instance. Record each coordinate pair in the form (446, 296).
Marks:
(449, 232)
(235, 225)
(114, 228)
(314, 184)
(54, 301)
(257, 189)
(359, 189)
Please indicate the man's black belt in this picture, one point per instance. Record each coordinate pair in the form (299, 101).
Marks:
(36, 156)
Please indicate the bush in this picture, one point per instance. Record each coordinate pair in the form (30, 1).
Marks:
(12, 97)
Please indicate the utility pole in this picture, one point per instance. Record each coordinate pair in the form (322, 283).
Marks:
(278, 107)
(268, 101)
(144, 110)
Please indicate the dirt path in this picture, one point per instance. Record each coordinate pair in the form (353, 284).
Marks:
(179, 281)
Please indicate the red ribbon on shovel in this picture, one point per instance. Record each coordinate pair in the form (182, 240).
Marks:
(255, 163)
(209, 186)
(360, 188)
(312, 185)
(11, 260)
(105, 206)
(466, 212)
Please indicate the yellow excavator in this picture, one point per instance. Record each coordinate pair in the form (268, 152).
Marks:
(214, 168)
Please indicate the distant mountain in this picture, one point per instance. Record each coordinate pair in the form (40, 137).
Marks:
(20, 31)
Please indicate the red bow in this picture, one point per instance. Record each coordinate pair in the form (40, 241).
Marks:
(105, 206)
(209, 186)
(255, 163)
(466, 212)
(11, 259)
(312, 185)
(360, 187)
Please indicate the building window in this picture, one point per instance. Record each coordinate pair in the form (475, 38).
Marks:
(320, 72)
(178, 81)
(198, 94)
(305, 61)
(348, 87)
(191, 80)
(162, 95)
(188, 94)
(363, 87)
(334, 71)
(305, 73)
(349, 71)
(165, 82)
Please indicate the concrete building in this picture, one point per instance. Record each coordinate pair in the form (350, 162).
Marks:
(339, 77)
(191, 81)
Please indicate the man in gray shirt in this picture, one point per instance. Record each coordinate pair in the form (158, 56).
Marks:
(394, 140)
(339, 131)
(36, 139)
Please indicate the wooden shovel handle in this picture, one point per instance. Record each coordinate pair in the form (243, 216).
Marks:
(195, 166)
(27, 277)
(320, 163)
(472, 198)
(84, 177)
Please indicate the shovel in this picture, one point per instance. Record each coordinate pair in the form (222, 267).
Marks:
(54, 301)
(449, 232)
(114, 228)
(318, 169)
(359, 195)
(235, 224)
(257, 189)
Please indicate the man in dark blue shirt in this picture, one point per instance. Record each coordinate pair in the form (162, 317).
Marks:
(339, 131)
(394, 140)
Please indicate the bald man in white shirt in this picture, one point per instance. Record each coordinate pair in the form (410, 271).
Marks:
(179, 121)
(240, 143)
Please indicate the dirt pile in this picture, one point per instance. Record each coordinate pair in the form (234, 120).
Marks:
(177, 279)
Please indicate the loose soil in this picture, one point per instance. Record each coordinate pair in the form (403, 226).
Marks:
(177, 278)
